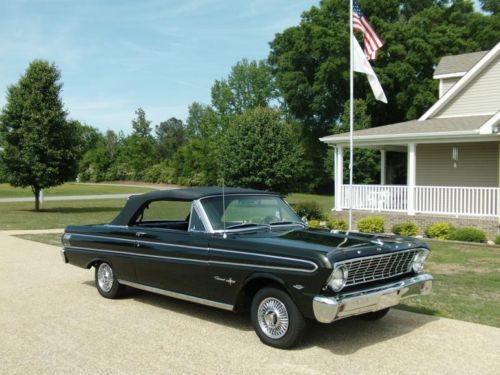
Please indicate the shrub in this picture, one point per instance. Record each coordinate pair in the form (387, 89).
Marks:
(441, 231)
(467, 234)
(310, 209)
(406, 229)
(337, 224)
(371, 224)
(497, 240)
(159, 173)
(314, 224)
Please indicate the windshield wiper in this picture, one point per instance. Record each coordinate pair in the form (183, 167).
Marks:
(247, 225)
(287, 223)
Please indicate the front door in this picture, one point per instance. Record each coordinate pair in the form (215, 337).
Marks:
(172, 257)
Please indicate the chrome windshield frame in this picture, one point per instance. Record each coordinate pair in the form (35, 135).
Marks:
(208, 224)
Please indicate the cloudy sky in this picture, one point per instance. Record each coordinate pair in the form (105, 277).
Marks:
(118, 55)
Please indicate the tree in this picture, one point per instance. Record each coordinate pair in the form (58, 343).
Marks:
(97, 162)
(40, 146)
(366, 168)
(88, 137)
(250, 84)
(141, 126)
(311, 61)
(492, 6)
(136, 153)
(170, 135)
(260, 150)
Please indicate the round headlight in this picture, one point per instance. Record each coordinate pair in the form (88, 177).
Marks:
(338, 278)
(419, 260)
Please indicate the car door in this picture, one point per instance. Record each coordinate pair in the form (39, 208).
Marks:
(173, 259)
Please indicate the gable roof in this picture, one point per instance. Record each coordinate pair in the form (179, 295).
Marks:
(462, 82)
(457, 65)
(432, 128)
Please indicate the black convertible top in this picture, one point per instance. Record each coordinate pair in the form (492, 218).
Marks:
(135, 202)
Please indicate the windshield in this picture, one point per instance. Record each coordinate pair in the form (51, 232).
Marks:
(247, 211)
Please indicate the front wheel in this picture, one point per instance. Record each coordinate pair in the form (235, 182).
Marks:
(106, 282)
(276, 319)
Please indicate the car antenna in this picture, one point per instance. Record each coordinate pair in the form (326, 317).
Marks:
(224, 234)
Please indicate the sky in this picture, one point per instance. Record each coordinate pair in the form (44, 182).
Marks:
(118, 55)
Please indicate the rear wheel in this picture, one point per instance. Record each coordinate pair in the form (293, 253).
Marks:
(376, 315)
(276, 319)
(106, 282)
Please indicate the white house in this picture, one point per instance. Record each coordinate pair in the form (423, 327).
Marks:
(452, 150)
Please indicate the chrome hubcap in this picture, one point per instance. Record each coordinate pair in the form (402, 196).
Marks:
(105, 277)
(273, 318)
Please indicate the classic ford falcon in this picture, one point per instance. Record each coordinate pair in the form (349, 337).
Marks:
(239, 249)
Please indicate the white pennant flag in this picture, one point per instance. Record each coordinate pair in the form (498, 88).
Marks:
(362, 65)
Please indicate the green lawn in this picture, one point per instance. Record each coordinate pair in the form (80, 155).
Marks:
(57, 214)
(466, 283)
(7, 191)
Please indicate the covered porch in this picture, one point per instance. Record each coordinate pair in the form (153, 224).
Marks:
(451, 169)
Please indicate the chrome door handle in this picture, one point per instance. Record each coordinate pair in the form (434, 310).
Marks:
(140, 234)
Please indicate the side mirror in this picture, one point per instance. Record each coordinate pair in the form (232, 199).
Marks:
(304, 219)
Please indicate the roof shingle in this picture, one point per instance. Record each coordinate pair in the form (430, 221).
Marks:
(434, 125)
(458, 63)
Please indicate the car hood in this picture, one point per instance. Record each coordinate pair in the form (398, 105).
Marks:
(335, 245)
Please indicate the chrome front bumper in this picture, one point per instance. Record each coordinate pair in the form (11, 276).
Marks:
(328, 309)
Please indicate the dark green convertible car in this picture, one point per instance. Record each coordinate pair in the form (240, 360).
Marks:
(242, 249)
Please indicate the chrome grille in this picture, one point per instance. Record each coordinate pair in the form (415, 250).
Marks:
(378, 267)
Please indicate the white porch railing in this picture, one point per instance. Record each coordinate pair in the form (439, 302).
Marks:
(446, 200)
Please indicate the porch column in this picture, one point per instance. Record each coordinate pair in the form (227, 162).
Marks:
(411, 177)
(339, 176)
(382, 167)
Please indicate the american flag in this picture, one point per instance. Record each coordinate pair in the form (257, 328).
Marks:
(372, 41)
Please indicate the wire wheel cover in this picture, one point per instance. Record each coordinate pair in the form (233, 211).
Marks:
(272, 316)
(105, 277)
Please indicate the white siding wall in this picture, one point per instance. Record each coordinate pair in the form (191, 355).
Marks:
(446, 84)
(480, 96)
(477, 164)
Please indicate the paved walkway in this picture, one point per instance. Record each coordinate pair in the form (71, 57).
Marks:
(53, 321)
(67, 198)
(89, 197)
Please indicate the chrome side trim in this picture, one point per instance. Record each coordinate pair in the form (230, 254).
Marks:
(260, 266)
(142, 241)
(135, 254)
(328, 309)
(308, 262)
(181, 296)
(270, 256)
(208, 262)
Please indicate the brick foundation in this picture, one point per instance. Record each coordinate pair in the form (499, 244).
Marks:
(491, 225)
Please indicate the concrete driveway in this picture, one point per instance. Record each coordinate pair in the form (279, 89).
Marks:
(52, 320)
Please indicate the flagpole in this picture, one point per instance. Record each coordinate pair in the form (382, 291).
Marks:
(351, 110)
